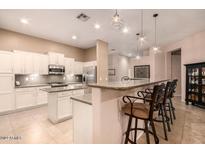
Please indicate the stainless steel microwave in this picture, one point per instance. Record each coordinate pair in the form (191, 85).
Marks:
(56, 69)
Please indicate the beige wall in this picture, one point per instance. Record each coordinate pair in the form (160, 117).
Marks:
(16, 41)
(120, 64)
(90, 54)
(102, 61)
(192, 50)
(156, 62)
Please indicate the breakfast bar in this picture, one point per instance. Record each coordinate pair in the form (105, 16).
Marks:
(103, 121)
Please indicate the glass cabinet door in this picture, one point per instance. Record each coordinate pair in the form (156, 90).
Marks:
(203, 85)
(193, 84)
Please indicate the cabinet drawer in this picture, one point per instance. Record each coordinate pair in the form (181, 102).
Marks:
(78, 92)
(64, 94)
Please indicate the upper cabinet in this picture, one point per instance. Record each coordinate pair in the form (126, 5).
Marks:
(69, 65)
(6, 62)
(30, 63)
(78, 67)
(56, 58)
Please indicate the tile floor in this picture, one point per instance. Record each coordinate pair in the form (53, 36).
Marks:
(33, 127)
(188, 128)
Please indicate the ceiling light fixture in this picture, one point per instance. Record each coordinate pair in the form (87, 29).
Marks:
(155, 48)
(74, 37)
(97, 26)
(142, 37)
(117, 22)
(24, 21)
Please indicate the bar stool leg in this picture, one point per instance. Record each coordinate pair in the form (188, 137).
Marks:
(147, 131)
(170, 113)
(128, 129)
(163, 121)
(136, 122)
(172, 107)
(156, 139)
(166, 117)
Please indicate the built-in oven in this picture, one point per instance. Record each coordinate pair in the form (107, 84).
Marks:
(56, 69)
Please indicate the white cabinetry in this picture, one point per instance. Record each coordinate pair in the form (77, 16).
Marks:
(69, 65)
(6, 62)
(18, 63)
(25, 97)
(78, 67)
(30, 63)
(7, 102)
(56, 58)
(44, 64)
(42, 96)
(60, 105)
(90, 63)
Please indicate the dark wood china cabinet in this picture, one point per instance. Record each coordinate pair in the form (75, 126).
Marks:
(195, 84)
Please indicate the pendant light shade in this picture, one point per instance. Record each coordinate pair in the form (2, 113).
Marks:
(138, 53)
(117, 22)
(155, 48)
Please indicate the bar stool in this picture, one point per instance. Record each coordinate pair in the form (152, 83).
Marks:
(163, 107)
(173, 90)
(142, 111)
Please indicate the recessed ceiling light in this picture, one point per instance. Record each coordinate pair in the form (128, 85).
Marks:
(74, 37)
(97, 26)
(125, 30)
(24, 21)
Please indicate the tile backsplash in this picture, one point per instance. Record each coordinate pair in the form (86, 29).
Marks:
(33, 79)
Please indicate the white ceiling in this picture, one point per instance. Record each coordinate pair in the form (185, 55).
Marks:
(60, 25)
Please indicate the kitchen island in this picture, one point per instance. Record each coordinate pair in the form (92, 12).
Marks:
(59, 104)
(103, 121)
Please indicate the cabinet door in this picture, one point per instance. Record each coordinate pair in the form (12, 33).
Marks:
(52, 58)
(78, 67)
(6, 83)
(44, 64)
(42, 96)
(18, 63)
(60, 59)
(25, 98)
(68, 62)
(28, 64)
(64, 107)
(6, 62)
(7, 102)
(36, 63)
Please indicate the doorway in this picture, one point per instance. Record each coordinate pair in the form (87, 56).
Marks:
(176, 69)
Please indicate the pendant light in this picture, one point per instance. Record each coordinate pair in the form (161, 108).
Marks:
(142, 36)
(117, 22)
(155, 48)
(138, 54)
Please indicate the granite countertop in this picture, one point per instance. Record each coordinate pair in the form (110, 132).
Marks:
(43, 85)
(126, 85)
(62, 89)
(87, 99)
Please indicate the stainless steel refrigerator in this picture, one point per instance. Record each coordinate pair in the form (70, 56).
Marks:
(89, 74)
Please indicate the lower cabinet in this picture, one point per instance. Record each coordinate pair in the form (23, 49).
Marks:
(60, 105)
(42, 96)
(7, 102)
(25, 97)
